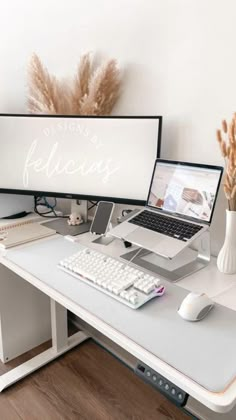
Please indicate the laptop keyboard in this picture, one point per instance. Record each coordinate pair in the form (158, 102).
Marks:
(166, 225)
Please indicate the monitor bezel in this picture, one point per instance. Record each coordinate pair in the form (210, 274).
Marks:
(193, 165)
(121, 200)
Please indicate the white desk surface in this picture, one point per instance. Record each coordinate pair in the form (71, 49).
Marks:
(222, 288)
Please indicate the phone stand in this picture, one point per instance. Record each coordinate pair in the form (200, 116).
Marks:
(103, 240)
(187, 262)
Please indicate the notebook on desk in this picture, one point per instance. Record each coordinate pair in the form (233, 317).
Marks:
(17, 234)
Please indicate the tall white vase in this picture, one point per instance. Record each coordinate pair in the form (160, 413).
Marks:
(226, 260)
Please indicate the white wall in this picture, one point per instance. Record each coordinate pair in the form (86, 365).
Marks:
(177, 55)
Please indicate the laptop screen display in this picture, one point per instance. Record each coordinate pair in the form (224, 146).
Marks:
(185, 189)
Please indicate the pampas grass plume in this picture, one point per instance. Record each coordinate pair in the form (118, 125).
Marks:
(92, 92)
(227, 142)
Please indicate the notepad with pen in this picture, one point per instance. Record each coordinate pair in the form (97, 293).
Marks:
(17, 234)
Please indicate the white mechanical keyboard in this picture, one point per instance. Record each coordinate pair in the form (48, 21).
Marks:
(122, 281)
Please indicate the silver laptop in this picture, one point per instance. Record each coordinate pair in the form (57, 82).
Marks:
(179, 208)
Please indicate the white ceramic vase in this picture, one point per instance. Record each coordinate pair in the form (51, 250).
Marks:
(226, 260)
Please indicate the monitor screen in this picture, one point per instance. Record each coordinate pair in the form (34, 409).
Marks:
(79, 157)
(189, 190)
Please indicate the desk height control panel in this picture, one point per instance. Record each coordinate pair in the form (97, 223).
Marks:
(171, 391)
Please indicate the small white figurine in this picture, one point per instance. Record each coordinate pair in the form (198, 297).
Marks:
(75, 219)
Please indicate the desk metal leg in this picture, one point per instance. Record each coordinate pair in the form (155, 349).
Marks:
(61, 343)
(59, 326)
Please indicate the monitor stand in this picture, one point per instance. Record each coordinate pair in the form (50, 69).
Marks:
(187, 262)
(61, 224)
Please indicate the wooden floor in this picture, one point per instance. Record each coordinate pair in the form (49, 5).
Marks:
(86, 384)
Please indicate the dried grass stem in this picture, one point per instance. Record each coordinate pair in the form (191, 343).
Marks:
(227, 142)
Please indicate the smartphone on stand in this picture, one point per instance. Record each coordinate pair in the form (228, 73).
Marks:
(101, 221)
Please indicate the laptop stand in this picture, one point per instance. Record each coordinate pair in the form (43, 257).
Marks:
(187, 262)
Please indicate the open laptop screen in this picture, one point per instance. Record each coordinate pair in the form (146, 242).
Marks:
(186, 189)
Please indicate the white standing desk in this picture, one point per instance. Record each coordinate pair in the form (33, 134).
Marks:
(221, 288)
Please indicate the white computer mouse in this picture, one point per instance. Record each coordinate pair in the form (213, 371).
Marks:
(195, 306)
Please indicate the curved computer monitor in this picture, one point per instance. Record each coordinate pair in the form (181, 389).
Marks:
(82, 157)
